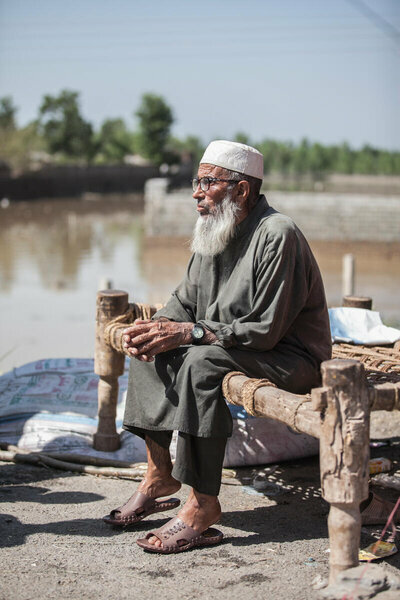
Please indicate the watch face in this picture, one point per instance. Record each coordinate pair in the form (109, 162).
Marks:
(198, 332)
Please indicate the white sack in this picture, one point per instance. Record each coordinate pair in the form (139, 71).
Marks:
(360, 326)
(51, 405)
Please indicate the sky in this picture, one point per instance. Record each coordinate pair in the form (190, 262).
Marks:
(328, 70)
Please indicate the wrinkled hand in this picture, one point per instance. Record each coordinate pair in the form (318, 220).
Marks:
(147, 338)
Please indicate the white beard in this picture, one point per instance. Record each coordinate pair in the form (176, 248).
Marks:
(213, 232)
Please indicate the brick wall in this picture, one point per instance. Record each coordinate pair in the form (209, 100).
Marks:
(321, 216)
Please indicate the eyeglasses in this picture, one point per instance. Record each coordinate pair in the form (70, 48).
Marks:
(205, 182)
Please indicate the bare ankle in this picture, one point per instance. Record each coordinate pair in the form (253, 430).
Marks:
(203, 500)
(156, 486)
(200, 510)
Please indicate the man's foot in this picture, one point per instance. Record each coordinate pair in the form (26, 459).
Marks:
(144, 501)
(158, 487)
(176, 537)
(199, 513)
(158, 481)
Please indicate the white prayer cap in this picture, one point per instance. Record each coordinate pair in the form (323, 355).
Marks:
(235, 157)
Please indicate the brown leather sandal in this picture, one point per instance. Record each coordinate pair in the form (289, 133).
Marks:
(378, 511)
(176, 536)
(138, 507)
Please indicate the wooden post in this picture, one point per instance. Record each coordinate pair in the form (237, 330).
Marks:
(105, 284)
(348, 274)
(344, 455)
(358, 302)
(109, 364)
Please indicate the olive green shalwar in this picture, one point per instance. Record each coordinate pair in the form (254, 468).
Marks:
(263, 298)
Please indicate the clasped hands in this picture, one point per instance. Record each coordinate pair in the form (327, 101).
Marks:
(146, 338)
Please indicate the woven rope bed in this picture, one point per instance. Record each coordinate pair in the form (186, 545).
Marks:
(381, 363)
(358, 380)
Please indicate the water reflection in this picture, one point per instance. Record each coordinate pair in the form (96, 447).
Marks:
(377, 274)
(52, 240)
(53, 255)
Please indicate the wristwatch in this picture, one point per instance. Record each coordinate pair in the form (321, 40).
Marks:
(198, 334)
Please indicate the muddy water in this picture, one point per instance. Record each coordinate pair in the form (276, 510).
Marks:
(53, 256)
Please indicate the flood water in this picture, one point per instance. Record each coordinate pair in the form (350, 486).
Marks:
(53, 255)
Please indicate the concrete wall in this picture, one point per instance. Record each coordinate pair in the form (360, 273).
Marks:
(321, 216)
(382, 185)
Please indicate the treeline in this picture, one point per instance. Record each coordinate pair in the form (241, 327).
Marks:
(318, 160)
(62, 134)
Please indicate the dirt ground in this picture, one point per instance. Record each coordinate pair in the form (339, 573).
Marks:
(55, 545)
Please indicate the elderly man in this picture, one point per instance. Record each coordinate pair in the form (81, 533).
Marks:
(252, 300)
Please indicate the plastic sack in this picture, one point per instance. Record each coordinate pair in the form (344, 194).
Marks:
(360, 326)
(258, 441)
(51, 405)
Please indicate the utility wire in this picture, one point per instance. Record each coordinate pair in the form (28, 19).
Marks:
(203, 57)
(381, 23)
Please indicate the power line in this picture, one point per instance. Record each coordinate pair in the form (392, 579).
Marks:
(222, 54)
(135, 18)
(309, 20)
(238, 35)
(381, 23)
(268, 40)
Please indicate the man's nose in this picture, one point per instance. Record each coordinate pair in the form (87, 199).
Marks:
(198, 194)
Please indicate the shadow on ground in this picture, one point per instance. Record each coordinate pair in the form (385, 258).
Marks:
(297, 512)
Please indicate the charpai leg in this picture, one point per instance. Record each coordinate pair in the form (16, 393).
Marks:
(344, 455)
(109, 364)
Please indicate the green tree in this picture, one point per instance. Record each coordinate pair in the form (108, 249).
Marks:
(155, 120)
(366, 161)
(318, 160)
(385, 163)
(242, 138)
(64, 128)
(301, 157)
(344, 159)
(331, 158)
(18, 146)
(396, 163)
(190, 148)
(7, 114)
(268, 149)
(114, 141)
(284, 157)
(195, 147)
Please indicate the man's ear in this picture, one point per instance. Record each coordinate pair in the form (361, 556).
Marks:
(242, 192)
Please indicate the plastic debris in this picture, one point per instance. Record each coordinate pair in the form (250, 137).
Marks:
(380, 443)
(248, 489)
(261, 483)
(319, 582)
(268, 488)
(387, 481)
(379, 465)
(377, 550)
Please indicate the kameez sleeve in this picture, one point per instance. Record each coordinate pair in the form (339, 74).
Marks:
(280, 290)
